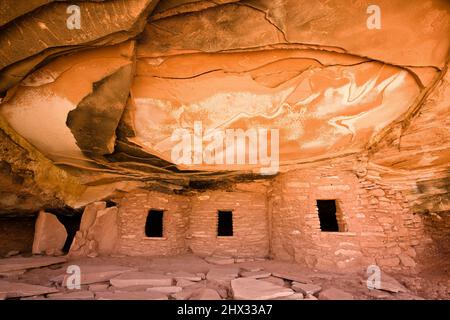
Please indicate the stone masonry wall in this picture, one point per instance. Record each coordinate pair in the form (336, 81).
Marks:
(250, 225)
(280, 218)
(133, 211)
(379, 228)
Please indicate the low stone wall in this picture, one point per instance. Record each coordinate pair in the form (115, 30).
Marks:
(190, 223)
(16, 234)
(279, 217)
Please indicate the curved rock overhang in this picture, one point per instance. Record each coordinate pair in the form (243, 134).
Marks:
(87, 113)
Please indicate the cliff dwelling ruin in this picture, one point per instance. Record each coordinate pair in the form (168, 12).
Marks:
(252, 149)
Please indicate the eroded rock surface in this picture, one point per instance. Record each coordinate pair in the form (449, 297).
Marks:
(28, 42)
(141, 278)
(17, 290)
(324, 80)
(335, 294)
(93, 274)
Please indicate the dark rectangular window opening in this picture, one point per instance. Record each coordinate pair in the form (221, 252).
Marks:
(327, 215)
(225, 224)
(154, 224)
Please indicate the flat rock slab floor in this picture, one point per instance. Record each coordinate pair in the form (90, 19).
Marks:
(22, 263)
(188, 277)
(92, 274)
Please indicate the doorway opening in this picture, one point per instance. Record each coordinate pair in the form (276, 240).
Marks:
(328, 216)
(154, 224)
(225, 224)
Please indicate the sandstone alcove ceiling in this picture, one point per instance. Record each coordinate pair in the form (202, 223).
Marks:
(101, 103)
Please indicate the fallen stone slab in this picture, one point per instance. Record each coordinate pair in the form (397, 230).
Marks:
(81, 245)
(49, 235)
(205, 294)
(184, 283)
(306, 288)
(252, 268)
(182, 275)
(90, 214)
(12, 253)
(407, 296)
(130, 296)
(76, 295)
(104, 230)
(323, 276)
(34, 298)
(141, 278)
(255, 274)
(335, 294)
(291, 277)
(219, 260)
(378, 294)
(310, 297)
(187, 292)
(184, 294)
(12, 274)
(277, 281)
(21, 263)
(98, 231)
(242, 260)
(129, 289)
(295, 296)
(17, 289)
(94, 274)
(222, 274)
(99, 287)
(387, 283)
(165, 290)
(223, 288)
(252, 289)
